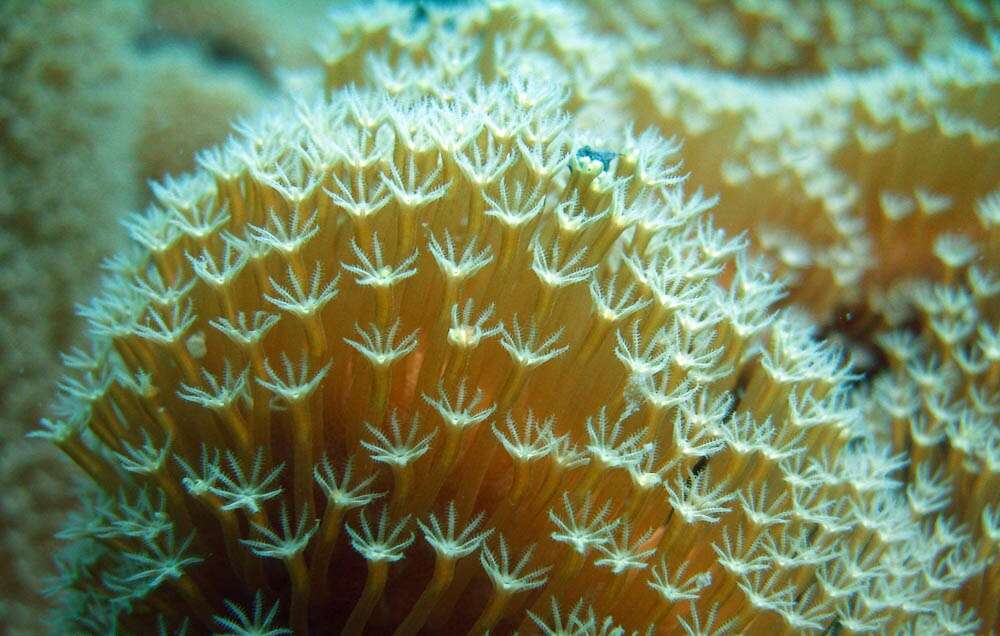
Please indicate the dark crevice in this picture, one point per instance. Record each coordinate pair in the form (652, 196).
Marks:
(219, 52)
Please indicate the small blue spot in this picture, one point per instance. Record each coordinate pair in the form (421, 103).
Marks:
(604, 156)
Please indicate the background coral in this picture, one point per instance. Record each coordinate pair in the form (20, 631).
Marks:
(938, 396)
(268, 36)
(188, 105)
(794, 37)
(839, 162)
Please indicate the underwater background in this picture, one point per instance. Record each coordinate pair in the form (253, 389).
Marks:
(738, 253)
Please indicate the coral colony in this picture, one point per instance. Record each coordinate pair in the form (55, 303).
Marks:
(444, 342)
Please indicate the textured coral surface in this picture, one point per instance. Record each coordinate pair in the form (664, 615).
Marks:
(469, 309)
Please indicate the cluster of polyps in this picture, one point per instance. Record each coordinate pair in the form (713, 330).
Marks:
(368, 317)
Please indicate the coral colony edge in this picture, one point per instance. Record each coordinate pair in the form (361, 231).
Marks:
(449, 359)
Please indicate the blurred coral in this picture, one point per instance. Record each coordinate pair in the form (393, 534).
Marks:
(269, 35)
(938, 397)
(188, 105)
(779, 38)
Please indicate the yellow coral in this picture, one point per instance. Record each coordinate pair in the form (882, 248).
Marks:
(491, 265)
